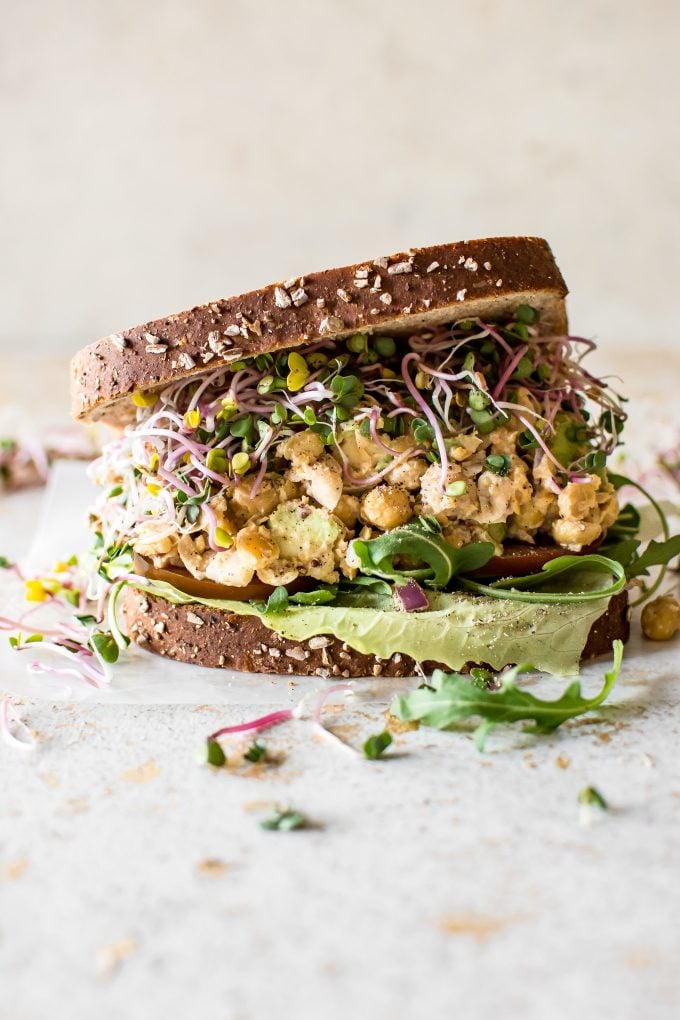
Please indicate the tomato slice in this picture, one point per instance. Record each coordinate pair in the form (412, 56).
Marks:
(519, 558)
(206, 589)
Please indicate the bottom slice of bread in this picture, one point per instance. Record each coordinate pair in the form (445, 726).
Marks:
(211, 637)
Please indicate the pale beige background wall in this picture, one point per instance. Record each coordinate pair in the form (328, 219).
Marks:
(155, 155)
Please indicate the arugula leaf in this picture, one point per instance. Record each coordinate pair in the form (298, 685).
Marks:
(627, 524)
(620, 481)
(513, 587)
(452, 698)
(623, 552)
(657, 554)
(373, 584)
(420, 543)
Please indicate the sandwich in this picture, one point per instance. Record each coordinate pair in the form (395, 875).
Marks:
(381, 469)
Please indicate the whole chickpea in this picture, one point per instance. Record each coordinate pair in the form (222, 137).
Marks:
(386, 507)
(661, 618)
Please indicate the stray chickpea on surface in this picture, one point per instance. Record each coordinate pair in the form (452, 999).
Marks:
(661, 618)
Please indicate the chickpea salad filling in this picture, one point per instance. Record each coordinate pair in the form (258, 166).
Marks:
(295, 467)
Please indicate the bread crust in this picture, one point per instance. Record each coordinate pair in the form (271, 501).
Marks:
(402, 292)
(212, 637)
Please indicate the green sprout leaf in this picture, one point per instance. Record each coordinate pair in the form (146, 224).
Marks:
(458, 488)
(527, 440)
(421, 545)
(525, 367)
(385, 346)
(256, 752)
(375, 745)
(211, 753)
(592, 798)
(612, 423)
(499, 463)
(87, 619)
(285, 821)
(451, 699)
(595, 461)
(118, 560)
(422, 431)
(276, 603)
(105, 645)
(5, 564)
(526, 314)
(279, 414)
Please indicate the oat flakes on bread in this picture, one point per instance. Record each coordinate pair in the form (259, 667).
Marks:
(411, 290)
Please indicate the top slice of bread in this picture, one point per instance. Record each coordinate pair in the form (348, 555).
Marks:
(400, 293)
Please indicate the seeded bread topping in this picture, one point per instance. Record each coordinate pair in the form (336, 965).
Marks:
(412, 290)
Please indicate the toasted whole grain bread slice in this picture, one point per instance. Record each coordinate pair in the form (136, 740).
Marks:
(400, 293)
(204, 636)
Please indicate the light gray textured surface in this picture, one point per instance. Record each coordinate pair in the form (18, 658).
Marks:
(439, 882)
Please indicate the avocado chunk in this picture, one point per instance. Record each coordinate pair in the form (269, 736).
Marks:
(303, 533)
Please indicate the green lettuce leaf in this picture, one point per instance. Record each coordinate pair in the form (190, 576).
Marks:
(455, 630)
(452, 698)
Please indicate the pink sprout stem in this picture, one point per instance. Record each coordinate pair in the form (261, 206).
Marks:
(265, 722)
(430, 415)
